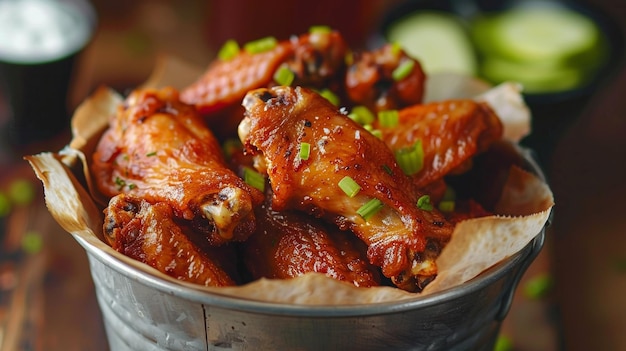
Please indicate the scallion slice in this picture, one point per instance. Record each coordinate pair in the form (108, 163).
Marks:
(254, 178)
(229, 50)
(446, 206)
(284, 76)
(388, 118)
(362, 115)
(403, 70)
(330, 96)
(349, 186)
(320, 29)
(411, 159)
(370, 208)
(260, 45)
(305, 151)
(423, 203)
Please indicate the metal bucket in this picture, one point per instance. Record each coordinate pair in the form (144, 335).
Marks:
(142, 312)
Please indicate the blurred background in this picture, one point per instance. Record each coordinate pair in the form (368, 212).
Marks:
(571, 297)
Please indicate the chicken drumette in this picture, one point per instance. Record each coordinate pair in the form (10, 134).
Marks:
(402, 238)
(159, 149)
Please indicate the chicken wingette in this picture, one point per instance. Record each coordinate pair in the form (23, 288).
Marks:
(307, 148)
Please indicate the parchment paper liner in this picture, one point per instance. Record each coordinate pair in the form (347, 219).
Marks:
(476, 245)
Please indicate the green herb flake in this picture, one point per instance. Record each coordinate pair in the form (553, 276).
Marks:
(229, 50)
(260, 45)
(446, 206)
(370, 208)
(503, 343)
(284, 76)
(150, 154)
(403, 70)
(320, 29)
(349, 186)
(423, 203)
(5, 205)
(330, 96)
(305, 151)
(121, 183)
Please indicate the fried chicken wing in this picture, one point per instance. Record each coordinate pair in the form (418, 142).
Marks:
(316, 59)
(402, 239)
(149, 233)
(385, 79)
(450, 133)
(288, 244)
(159, 149)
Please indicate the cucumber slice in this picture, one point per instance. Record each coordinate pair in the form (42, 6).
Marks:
(535, 78)
(542, 33)
(438, 40)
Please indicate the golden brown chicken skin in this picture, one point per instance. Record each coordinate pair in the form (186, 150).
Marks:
(288, 244)
(402, 239)
(450, 133)
(149, 233)
(316, 59)
(158, 148)
(385, 79)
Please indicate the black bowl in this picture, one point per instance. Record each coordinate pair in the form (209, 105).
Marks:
(553, 112)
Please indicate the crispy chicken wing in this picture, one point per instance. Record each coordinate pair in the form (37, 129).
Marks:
(385, 79)
(316, 59)
(450, 133)
(288, 244)
(402, 239)
(159, 149)
(149, 233)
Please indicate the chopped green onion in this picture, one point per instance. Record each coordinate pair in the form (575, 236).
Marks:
(132, 186)
(150, 154)
(254, 178)
(21, 191)
(449, 194)
(388, 118)
(32, 242)
(349, 186)
(305, 151)
(284, 76)
(121, 183)
(330, 96)
(349, 58)
(230, 146)
(423, 203)
(5, 205)
(229, 50)
(320, 29)
(396, 48)
(537, 287)
(361, 115)
(370, 208)
(503, 343)
(260, 45)
(411, 159)
(446, 206)
(403, 70)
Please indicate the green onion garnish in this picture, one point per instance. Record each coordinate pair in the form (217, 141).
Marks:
(121, 183)
(449, 194)
(260, 45)
(411, 159)
(388, 118)
(21, 192)
(403, 70)
(150, 154)
(349, 186)
(229, 50)
(32, 242)
(370, 208)
(5, 205)
(230, 146)
(330, 96)
(254, 178)
(423, 203)
(538, 287)
(387, 169)
(446, 206)
(503, 343)
(320, 29)
(396, 48)
(362, 115)
(305, 151)
(284, 76)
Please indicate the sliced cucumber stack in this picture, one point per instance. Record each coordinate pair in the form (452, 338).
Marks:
(545, 48)
(438, 40)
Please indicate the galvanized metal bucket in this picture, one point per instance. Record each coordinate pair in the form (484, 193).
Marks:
(143, 312)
